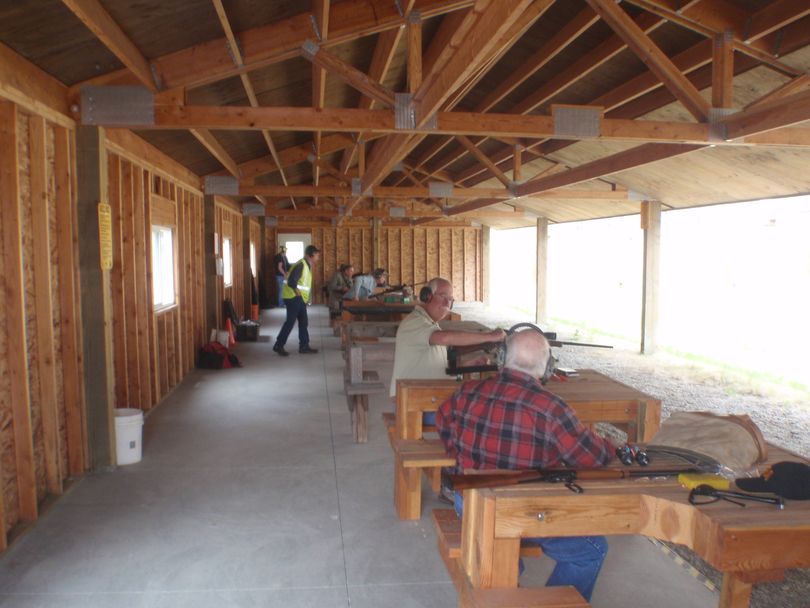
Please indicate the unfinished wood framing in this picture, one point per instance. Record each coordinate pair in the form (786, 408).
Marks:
(411, 255)
(541, 273)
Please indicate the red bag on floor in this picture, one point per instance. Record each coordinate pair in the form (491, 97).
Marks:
(215, 356)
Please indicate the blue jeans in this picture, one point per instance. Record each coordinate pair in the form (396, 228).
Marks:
(579, 558)
(279, 284)
(296, 311)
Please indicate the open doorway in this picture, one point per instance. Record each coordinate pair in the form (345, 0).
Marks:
(295, 244)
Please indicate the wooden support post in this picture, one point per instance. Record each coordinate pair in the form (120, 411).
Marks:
(14, 289)
(246, 272)
(67, 243)
(541, 300)
(96, 300)
(264, 270)
(723, 70)
(376, 224)
(518, 163)
(651, 224)
(414, 51)
(211, 279)
(44, 307)
(485, 264)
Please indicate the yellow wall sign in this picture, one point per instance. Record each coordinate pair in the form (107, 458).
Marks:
(105, 245)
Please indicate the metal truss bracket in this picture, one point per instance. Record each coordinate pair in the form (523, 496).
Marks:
(315, 28)
(717, 128)
(576, 122)
(310, 48)
(440, 190)
(122, 106)
(404, 114)
(253, 209)
(225, 185)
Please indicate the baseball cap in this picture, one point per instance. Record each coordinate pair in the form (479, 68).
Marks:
(786, 479)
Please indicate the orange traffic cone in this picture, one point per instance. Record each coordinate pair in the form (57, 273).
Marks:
(231, 338)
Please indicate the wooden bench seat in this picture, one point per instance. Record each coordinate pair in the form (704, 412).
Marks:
(357, 394)
(412, 457)
(448, 539)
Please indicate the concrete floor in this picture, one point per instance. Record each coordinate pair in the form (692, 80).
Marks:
(252, 493)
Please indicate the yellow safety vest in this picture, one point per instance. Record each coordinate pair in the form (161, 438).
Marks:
(304, 283)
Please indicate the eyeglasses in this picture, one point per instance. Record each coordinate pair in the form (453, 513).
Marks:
(446, 298)
(705, 495)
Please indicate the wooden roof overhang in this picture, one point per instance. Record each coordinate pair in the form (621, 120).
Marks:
(431, 111)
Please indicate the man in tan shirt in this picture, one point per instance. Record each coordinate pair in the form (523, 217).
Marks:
(421, 345)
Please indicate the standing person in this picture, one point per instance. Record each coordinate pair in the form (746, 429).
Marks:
(297, 290)
(338, 286)
(421, 345)
(511, 421)
(363, 285)
(281, 265)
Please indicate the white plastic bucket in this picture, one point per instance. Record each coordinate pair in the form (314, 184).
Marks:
(128, 435)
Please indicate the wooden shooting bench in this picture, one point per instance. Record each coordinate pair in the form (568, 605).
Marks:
(748, 545)
(447, 526)
(593, 396)
(372, 343)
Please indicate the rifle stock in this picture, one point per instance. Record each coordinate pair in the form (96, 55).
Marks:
(567, 476)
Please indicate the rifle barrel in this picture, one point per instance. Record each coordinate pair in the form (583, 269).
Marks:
(496, 480)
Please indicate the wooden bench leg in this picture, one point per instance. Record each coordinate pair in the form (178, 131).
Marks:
(361, 419)
(435, 477)
(407, 491)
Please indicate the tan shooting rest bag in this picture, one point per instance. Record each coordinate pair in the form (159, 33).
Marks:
(732, 445)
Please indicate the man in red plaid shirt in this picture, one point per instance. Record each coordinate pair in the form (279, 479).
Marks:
(511, 422)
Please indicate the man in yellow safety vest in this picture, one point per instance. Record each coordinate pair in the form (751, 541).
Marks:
(296, 292)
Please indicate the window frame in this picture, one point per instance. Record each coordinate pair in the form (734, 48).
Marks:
(156, 270)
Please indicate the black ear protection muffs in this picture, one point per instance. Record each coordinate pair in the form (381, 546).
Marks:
(500, 354)
(425, 294)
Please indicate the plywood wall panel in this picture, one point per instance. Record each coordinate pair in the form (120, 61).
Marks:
(411, 255)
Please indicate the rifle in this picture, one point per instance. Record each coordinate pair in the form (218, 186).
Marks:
(568, 477)
(453, 352)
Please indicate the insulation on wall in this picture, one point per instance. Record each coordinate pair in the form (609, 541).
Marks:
(41, 409)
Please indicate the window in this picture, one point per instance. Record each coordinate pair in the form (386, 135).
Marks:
(162, 266)
(227, 273)
(253, 266)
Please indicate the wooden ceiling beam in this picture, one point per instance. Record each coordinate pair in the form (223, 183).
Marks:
(533, 127)
(320, 10)
(589, 62)
(104, 27)
(351, 75)
(655, 59)
(723, 71)
(384, 50)
(481, 30)
(553, 47)
(622, 161)
(484, 160)
(207, 139)
(643, 94)
(268, 44)
(782, 112)
(774, 17)
(712, 17)
(238, 59)
(422, 192)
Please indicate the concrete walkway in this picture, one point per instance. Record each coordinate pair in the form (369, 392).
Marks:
(252, 493)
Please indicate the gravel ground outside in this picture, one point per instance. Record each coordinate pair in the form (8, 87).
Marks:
(782, 415)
